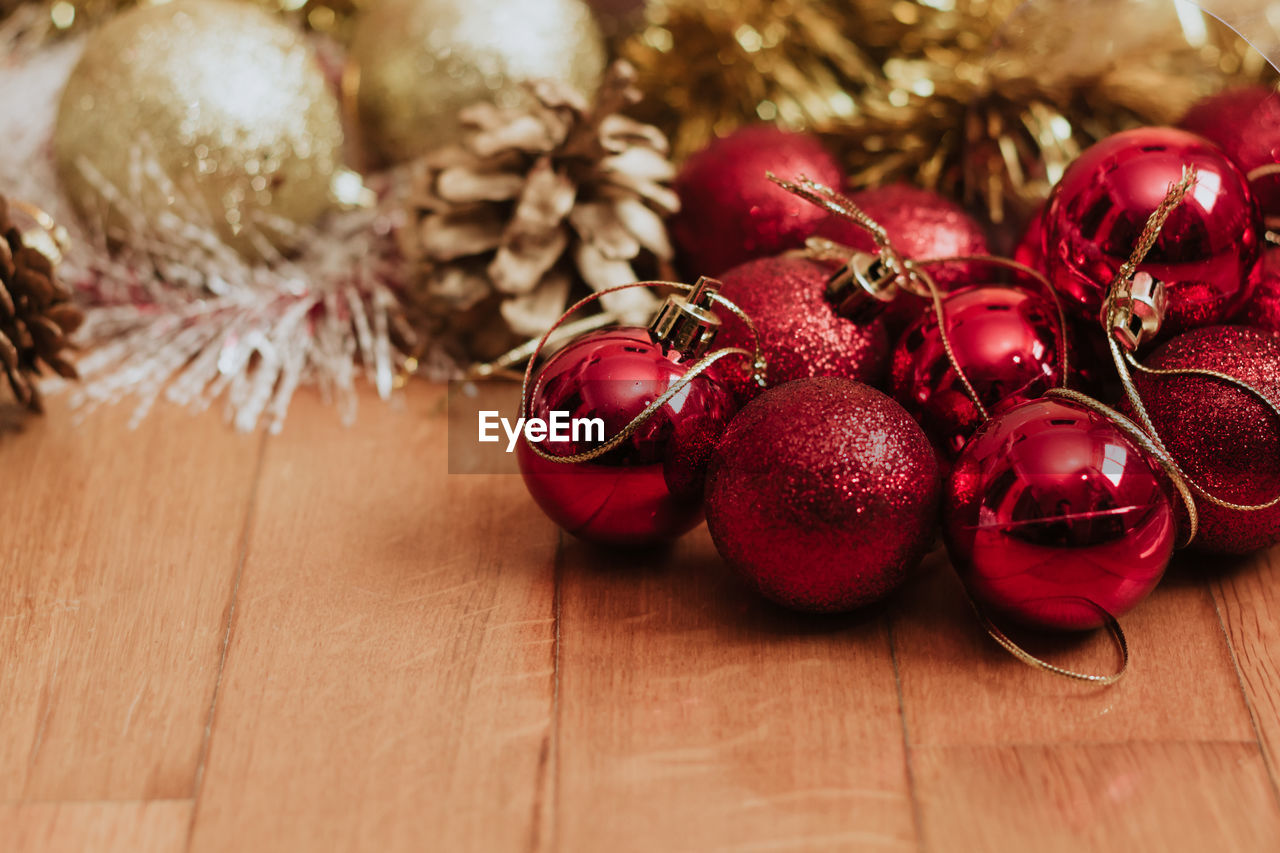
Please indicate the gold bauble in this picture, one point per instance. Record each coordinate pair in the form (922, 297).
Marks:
(416, 63)
(216, 96)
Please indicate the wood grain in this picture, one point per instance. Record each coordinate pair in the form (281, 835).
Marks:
(1247, 592)
(695, 717)
(323, 641)
(155, 826)
(119, 549)
(1157, 797)
(389, 681)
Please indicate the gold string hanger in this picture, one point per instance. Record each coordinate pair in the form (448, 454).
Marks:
(667, 328)
(867, 282)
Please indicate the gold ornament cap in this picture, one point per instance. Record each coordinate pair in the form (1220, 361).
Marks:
(864, 286)
(1135, 312)
(687, 324)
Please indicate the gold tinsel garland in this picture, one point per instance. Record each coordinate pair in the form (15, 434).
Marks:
(983, 100)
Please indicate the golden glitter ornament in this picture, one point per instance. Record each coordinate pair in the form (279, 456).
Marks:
(414, 64)
(208, 109)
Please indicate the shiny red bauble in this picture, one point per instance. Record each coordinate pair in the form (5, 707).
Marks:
(921, 225)
(1245, 121)
(1007, 340)
(1051, 512)
(650, 488)
(1099, 209)
(801, 334)
(823, 494)
(730, 212)
(1223, 437)
(1262, 311)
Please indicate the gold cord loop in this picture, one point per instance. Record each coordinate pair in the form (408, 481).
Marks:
(1111, 623)
(1116, 314)
(755, 355)
(907, 274)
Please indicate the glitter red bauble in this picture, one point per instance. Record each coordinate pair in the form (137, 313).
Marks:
(1008, 342)
(1099, 209)
(802, 335)
(920, 224)
(1050, 506)
(1262, 311)
(823, 494)
(730, 212)
(1245, 121)
(650, 488)
(1224, 438)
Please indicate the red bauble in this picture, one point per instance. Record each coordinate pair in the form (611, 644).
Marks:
(730, 212)
(650, 488)
(1223, 437)
(1262, 311)
(1245, 121)
(823, 494)
(1050, 503)
(801, 334)
(920, 224)
(1100, 207)
(1008, 342)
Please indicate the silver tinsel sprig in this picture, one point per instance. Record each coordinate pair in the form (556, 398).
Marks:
(174, 312)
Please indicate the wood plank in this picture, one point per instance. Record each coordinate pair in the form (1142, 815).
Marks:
(389, 680)
(1247, 592)
(959, 687)
(155, 826)
(1158, 797)
(695, 716)
(119, 552)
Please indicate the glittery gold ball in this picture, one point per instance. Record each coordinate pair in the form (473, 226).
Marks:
(222, 99)
(416, 63)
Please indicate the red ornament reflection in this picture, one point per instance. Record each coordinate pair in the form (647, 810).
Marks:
(1007, 340)
(1051, 506)
(1098, 211)
(649, 489)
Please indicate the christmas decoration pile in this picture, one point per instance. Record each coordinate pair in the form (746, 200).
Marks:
(866, 373)
(1058, 511)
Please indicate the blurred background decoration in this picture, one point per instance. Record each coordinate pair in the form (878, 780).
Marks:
(984, 100)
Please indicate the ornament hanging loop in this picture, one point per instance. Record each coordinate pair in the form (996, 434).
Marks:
(1112, 626)
(681, 319)
(1136, 301)
(1131, 300)
(866, 282)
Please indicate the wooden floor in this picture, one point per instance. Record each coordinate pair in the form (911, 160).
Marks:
(321, 641)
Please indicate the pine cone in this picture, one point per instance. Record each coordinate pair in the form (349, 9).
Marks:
(36, 314)
(535, 204)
